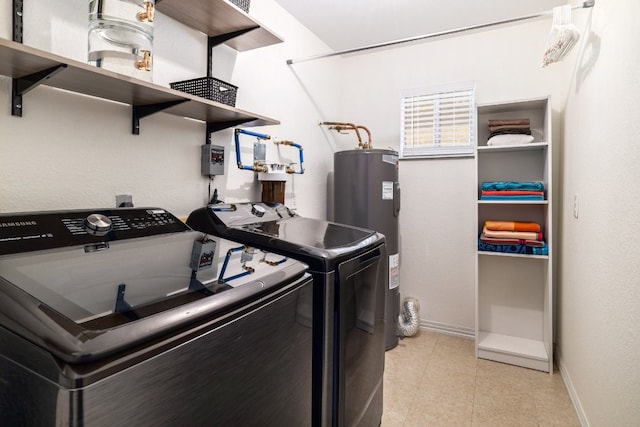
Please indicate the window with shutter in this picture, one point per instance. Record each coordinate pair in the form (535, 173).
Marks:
(438, 122)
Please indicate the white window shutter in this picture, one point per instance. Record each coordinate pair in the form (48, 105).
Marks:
(438, 122)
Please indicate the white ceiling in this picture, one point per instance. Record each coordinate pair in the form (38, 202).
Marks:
(348, 24)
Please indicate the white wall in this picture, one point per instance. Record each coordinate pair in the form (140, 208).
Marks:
(599, 293)
(282, 92)
(437, 225)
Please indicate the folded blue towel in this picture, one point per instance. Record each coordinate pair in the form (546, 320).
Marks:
(513, 185)
(511, 198)
(513, 249)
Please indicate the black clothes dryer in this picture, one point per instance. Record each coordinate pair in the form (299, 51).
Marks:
(349, 269)
(104, 321)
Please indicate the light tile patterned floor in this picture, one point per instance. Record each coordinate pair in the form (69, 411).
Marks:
(435, 380)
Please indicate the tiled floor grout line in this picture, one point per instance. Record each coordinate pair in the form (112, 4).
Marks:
(475, 393)
(414, 398)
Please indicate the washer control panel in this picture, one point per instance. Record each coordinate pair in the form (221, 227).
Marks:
(47, 230)
(248, 213)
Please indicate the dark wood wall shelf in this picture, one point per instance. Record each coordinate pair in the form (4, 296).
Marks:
(220, 20)
(24, 63)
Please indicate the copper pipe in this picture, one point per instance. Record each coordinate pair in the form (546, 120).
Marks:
(148, 14)
(144, 63)
(340, 126)
(257, 167)
(368, 145)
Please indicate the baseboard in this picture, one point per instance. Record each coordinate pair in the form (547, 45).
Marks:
(573, 395)
(443, 328)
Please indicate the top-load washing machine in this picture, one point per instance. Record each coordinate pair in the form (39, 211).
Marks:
(349, 269)
(118, 317)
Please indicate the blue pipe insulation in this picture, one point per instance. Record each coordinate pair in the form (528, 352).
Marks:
(274, 263)
(223, 208)
(238, 160)
(299, 147)
(237, 141)
(226, 262)
(237, 133)
(237, 276)
(256, 134)
(300, 151)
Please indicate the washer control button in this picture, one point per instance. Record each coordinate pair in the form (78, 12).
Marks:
(257, 210)
(98, 224)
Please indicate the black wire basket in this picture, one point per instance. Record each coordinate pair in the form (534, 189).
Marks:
(242, 4)
(209, 88)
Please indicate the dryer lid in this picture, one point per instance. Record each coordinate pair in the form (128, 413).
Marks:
(274, 227)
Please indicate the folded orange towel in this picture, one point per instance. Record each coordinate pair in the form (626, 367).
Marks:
(512, 226)
(527, 235)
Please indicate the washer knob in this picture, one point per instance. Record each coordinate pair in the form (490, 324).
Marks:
(98, 224)
(257, 210)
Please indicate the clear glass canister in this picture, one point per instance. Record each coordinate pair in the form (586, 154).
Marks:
(121, 36)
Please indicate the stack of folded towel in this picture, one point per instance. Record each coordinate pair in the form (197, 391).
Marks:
(512, 237)
(509, 132)
(512, 190)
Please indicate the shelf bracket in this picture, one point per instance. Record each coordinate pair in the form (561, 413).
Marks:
(216, 40)
(17, 20)
(141, 111)
(216, 126)
(22, 85)
(213, 41)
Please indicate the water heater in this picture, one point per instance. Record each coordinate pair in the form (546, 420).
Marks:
(367, 195)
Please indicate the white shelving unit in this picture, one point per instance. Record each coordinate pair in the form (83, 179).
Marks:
(514, 292)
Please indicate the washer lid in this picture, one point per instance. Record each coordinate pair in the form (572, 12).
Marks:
(87, 295)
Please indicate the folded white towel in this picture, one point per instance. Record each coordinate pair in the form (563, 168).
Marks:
(510, 139)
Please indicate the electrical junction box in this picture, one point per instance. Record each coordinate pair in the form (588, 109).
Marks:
(259, 152)
(203, 255)
(212, 160)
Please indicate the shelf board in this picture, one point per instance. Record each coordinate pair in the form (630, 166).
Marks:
(515, 350)
(513, 106)
(218, 18)
(519, 147)
(513, 202)
(18, 60)
(507, 254)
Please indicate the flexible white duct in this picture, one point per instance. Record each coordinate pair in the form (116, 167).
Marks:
(409, 320)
